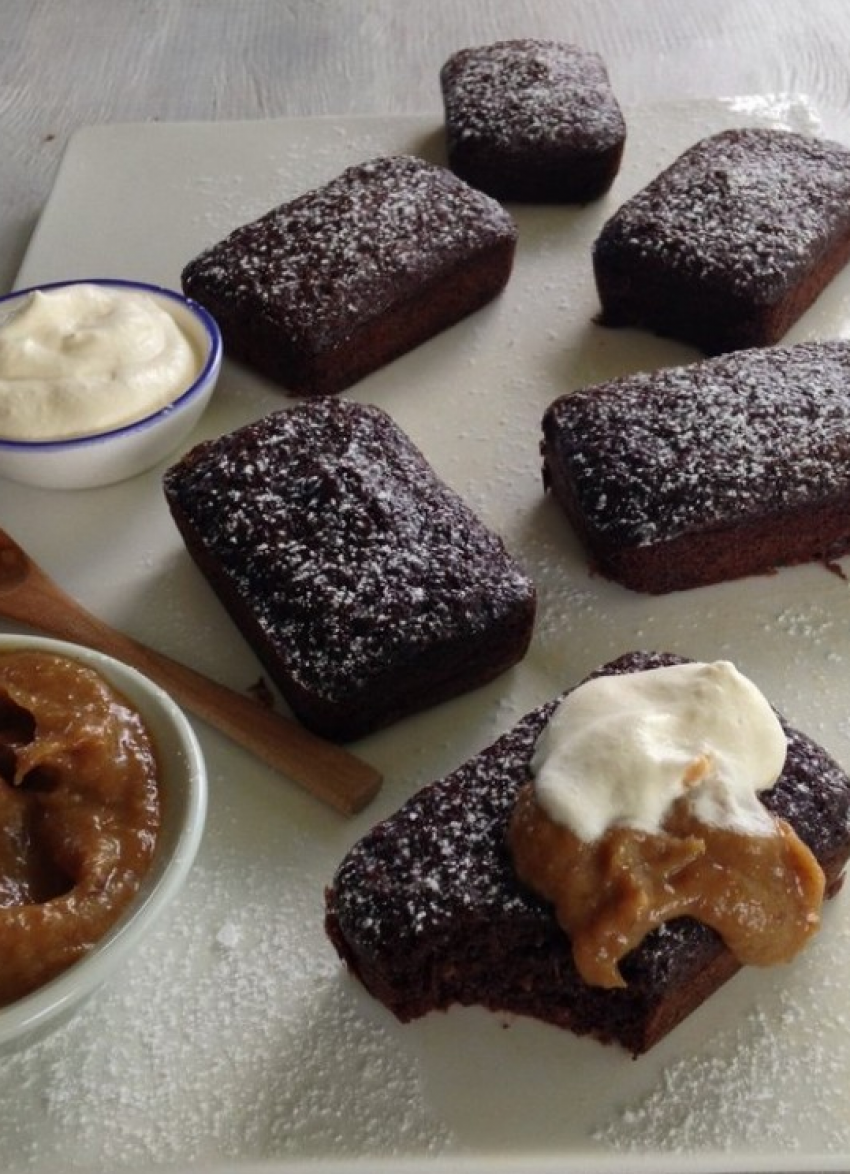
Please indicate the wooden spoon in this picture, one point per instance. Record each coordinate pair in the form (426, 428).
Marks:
(29, 596)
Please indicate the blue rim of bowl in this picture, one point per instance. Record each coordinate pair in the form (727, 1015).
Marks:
(211, 329)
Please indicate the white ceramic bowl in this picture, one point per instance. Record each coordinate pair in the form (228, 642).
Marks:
(106, 457)
(183, 783)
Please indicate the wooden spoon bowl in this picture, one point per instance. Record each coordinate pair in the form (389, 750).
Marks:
(29, 596)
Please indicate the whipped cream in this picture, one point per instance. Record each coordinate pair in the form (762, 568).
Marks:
(621, 750)
(85, 358)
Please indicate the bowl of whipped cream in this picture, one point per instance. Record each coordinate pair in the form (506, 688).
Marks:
(100, 379)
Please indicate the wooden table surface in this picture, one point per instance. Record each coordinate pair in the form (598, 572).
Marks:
(69, 63)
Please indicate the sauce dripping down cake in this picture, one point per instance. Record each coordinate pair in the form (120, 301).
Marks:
(428, 910)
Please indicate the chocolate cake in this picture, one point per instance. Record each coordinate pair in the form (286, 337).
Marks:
(533, 121)
(327, 288)
(732, 243)
(366, 586)
(731, 466)
(427, 910)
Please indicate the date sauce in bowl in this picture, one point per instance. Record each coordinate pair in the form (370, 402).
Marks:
(102, 807)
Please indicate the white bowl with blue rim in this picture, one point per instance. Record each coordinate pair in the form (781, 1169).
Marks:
(103, 457)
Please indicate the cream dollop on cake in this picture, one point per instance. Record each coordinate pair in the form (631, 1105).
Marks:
(619, 751)
(645, 807)
(427, 908)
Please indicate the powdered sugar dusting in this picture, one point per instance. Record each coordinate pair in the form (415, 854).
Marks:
(740, 1093)
(509, 1094)
(442, 861)
(354, 559)
(442, 851)
(745, 212)
(524, 94)
(753, 434)
(269, 1052)
(375, 235)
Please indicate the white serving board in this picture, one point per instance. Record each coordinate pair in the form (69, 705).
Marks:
(234, 1036)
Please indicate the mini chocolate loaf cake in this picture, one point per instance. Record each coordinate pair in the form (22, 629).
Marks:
(532, 121)
(427, 909)
(323, 290)
(732, 243)
(731, 466)
(365, 585)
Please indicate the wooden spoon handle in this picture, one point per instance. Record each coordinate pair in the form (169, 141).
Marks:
(325, 770)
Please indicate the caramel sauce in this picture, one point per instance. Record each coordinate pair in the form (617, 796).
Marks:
(79, 814)
(762, 894)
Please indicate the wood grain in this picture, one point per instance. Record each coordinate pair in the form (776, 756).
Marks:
(66, 65)
(29, 596)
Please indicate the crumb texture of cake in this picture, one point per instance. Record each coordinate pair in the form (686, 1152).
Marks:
(732, 466)
(367, 587)
(532, 121)
(732, 243)
(334, 284)
(427, 910)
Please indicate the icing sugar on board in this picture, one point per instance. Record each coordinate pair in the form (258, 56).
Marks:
(234, 1036)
